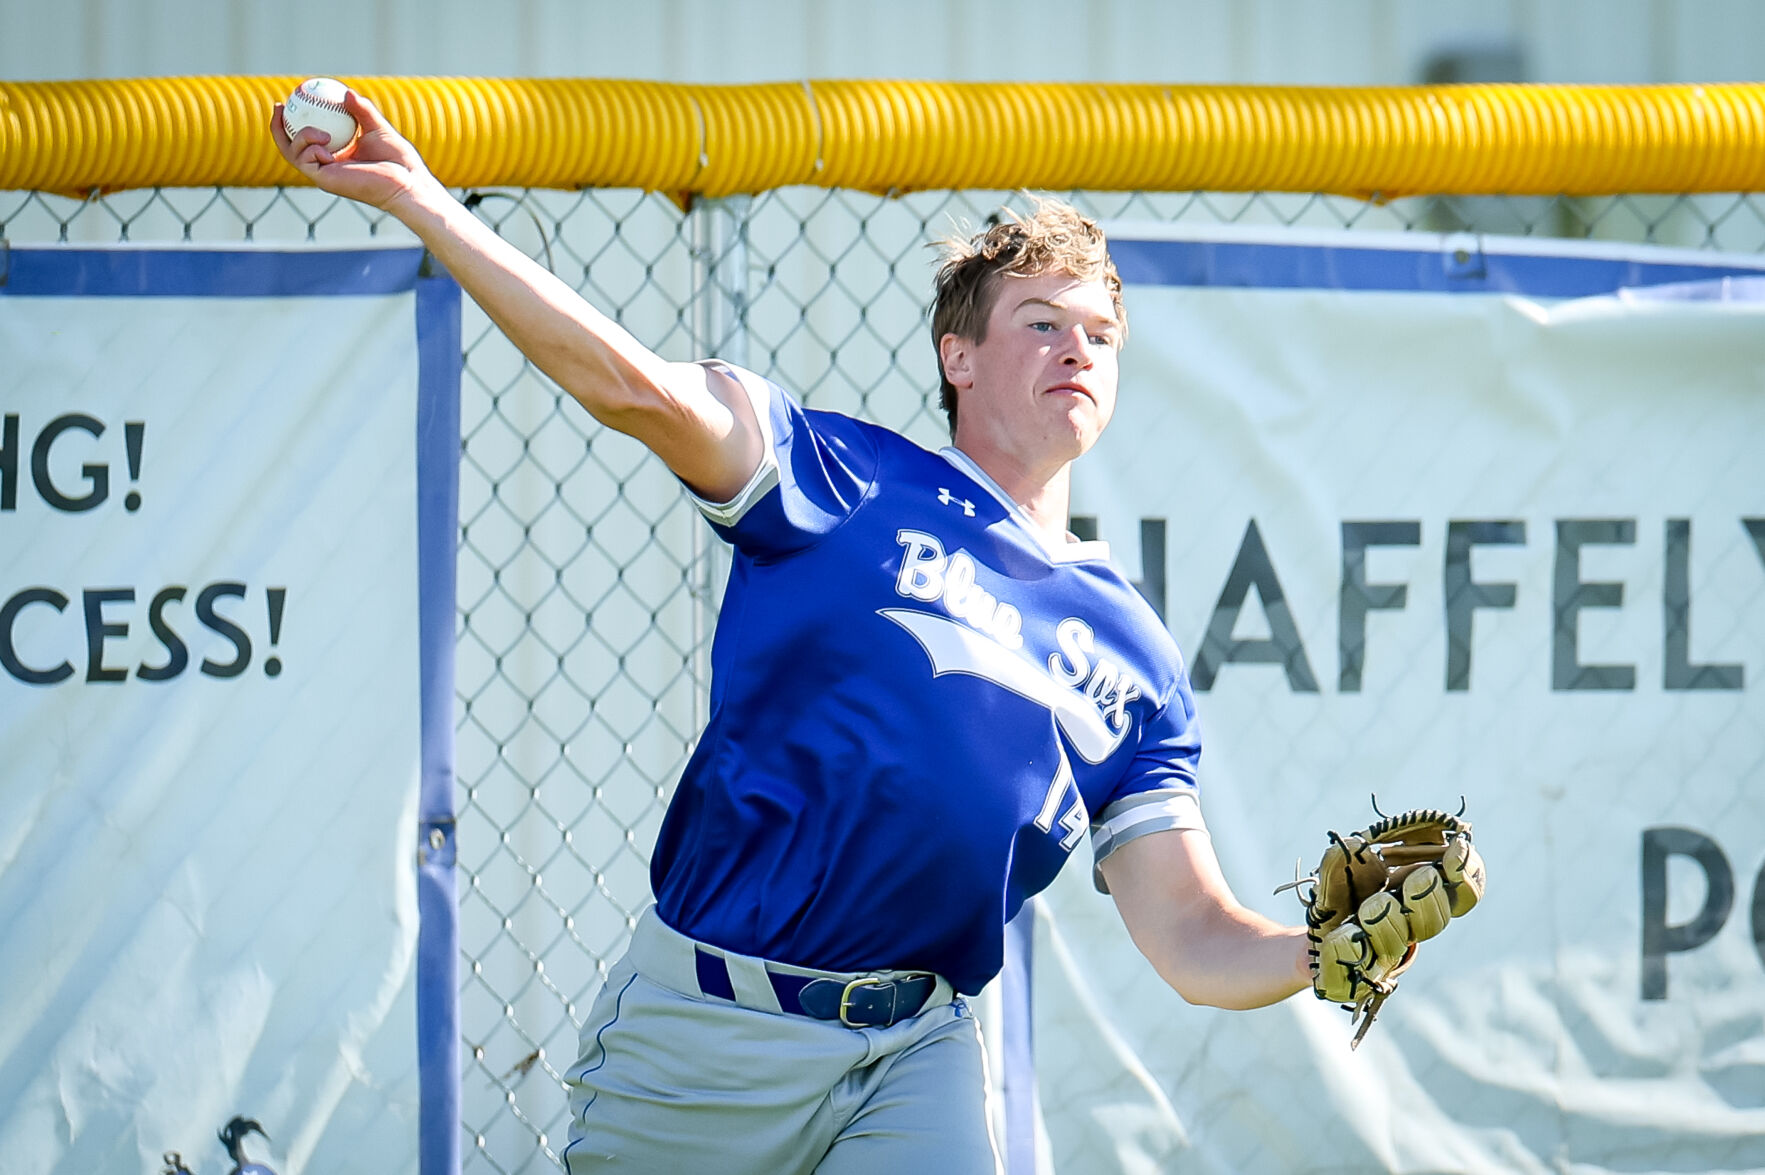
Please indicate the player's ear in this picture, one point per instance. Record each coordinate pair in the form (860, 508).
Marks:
(957, 356)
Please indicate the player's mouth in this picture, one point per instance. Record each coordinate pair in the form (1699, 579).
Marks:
(1071, 390)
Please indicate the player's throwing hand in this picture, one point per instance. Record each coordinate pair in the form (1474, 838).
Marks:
(379, 168)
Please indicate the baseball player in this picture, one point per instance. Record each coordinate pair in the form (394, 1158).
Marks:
(924, 692)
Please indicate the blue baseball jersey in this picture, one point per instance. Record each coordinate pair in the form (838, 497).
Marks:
(918, 706)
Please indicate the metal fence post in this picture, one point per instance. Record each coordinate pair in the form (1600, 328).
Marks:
(719, 236)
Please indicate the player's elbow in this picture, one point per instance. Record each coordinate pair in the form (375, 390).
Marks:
(1185, 970)
(1175, 947)
(1204, 989)
(1234, 963)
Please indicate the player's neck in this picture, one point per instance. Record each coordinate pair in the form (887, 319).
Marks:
(1044, 495)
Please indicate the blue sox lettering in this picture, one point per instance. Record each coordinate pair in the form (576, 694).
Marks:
(1082, 686)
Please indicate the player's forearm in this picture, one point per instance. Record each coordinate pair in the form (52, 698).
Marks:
(1199, 937)
(1230, 958)
(592, 357)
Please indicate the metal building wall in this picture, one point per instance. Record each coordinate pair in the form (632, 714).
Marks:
(1267, 41)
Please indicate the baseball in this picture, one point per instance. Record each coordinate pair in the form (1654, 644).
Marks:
(319, 102)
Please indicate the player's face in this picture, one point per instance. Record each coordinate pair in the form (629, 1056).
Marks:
(1041, 386)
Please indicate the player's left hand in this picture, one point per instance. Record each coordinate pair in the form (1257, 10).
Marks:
(1376, 894)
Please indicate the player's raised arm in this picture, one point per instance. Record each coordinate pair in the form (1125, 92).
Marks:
(699, 423)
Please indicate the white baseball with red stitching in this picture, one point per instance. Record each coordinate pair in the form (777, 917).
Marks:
(319, 102)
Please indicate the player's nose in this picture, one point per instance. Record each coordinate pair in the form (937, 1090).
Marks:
(1075, 348)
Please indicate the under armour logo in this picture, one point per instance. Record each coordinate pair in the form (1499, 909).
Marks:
(946, 498)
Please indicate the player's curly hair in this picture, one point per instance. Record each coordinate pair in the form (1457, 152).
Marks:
(1053, 238)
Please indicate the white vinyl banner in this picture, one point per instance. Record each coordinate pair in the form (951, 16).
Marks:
(1433, 520)
(209, 710)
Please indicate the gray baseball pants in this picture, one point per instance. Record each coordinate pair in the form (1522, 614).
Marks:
(671, 1079)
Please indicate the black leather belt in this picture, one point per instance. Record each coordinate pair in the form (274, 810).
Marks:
(863, 1001)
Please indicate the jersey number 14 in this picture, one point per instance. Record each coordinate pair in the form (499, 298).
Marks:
(1076, 817)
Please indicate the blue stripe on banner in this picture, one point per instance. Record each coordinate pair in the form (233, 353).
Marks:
(1722, 289)
(438, 947)
(1019, 1078)
(197, 273)
(1329, 267)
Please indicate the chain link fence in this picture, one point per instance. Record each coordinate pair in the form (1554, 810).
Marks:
(588, 587)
